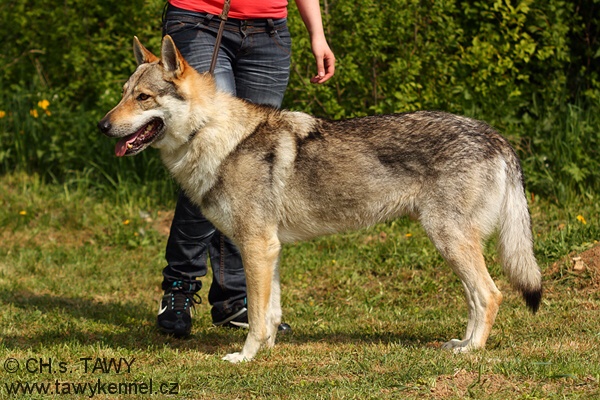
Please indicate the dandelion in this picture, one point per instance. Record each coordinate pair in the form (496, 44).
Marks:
(581, 219)
(34, 113)
(2, 114)
(408, 235)
(43, 104)
(126, 222)
(23, 212)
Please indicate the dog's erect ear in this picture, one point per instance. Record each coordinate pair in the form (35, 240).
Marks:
(142, 54)
(170, 57)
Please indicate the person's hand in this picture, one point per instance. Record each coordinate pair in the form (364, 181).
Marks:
(325, 60)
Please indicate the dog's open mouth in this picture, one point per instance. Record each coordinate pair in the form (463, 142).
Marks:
(139, 140)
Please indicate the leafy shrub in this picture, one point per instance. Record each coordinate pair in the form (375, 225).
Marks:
(491, 57)
(79, 49)
(518, 64)
(76, 57)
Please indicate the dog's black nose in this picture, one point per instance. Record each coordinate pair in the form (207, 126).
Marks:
(104, 125)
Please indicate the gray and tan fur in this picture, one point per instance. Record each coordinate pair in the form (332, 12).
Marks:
(266, 177)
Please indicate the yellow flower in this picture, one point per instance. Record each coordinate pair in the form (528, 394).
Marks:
(581, 219)
(23, 212)
(34, 113)
(126, 222)
(43, 104)
(408, 235)
(2, 114)
(48, 113)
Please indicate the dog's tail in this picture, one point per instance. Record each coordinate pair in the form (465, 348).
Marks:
(515, 244)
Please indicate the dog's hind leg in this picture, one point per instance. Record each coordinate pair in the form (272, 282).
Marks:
(260, 257)
(460, 246)
(471, 309)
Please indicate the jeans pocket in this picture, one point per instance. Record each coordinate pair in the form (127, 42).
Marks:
(175, 26)
(283, 40)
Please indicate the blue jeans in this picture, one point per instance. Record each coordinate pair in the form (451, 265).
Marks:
(253, 64)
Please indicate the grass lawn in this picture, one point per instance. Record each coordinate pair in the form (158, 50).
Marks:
(79, 286)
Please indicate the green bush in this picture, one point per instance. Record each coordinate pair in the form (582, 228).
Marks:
(561, 153)
(78, 49)
(521, 65)
(488, 58)
(76, 57)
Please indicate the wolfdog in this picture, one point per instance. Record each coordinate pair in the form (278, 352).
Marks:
(265, 176)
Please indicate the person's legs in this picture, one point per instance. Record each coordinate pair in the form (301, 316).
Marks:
(186, 260)
(192, 235)
(260, 61)
(253, 64)
(227, 293)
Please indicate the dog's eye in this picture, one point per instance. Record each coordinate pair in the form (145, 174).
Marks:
(143, 97)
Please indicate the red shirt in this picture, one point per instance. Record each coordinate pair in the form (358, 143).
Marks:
(239, 9)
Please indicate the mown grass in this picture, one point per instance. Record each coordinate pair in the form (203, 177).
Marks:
(80, 276)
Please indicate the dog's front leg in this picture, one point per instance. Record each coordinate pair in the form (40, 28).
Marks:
(260, 256)
(274, 312)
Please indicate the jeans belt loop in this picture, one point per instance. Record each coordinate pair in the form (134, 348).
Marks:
(272, 30)
(207, 19)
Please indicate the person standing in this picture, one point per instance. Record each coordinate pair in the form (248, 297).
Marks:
(253, 64)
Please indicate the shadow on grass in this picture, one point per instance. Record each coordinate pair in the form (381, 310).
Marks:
(48, 320)
(54, 320)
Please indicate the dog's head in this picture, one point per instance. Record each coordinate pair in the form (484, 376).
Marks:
(154, 102)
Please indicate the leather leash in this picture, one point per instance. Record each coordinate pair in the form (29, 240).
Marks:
(223, 18)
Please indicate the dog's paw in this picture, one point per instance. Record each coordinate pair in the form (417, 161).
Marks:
(235, 358)
(458, 346)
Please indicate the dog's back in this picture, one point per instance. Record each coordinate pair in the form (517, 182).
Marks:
(338, 175)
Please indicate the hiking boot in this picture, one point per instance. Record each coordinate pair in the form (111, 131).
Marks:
(176, 308)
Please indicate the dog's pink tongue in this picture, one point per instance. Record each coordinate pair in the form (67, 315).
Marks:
(121, 147)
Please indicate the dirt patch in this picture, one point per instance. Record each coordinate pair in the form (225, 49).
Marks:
(465, 384)
(582, 270)
(589, 260)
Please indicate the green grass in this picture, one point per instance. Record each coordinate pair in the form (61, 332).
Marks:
(82, 247)
(80, 275)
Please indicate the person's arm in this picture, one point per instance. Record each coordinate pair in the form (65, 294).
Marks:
(310, 11)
